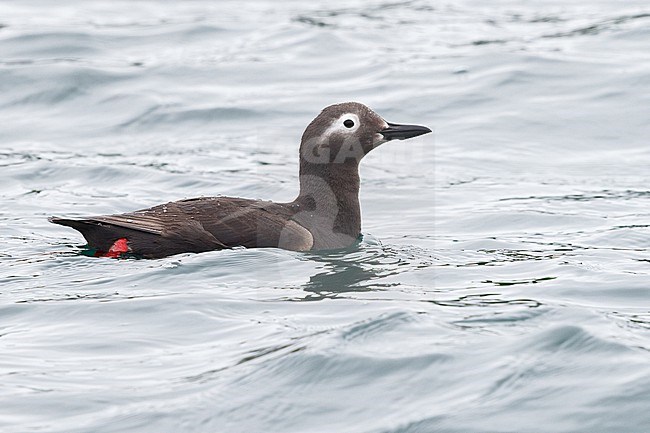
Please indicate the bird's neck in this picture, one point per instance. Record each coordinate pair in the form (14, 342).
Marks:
(329, 203)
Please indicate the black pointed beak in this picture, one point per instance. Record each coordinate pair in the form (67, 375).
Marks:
(401, 132)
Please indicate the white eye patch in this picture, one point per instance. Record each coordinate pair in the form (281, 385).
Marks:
(347, 123)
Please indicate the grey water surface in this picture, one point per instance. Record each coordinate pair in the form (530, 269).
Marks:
(503, 281)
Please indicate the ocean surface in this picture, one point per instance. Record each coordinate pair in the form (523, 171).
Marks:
(503, 279)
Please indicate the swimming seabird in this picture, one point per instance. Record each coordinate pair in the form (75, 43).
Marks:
(325, 215)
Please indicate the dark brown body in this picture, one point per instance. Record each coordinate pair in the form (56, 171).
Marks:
(197, 225)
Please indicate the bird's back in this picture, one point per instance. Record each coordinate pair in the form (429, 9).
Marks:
(196, 225)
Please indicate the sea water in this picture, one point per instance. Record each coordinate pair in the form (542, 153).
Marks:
(502, 283)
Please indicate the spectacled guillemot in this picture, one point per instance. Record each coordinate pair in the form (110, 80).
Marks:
(325, 215)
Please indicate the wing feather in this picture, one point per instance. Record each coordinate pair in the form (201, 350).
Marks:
(197, 225)
(141, 222)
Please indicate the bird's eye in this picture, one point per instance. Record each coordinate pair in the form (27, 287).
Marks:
(348, 123)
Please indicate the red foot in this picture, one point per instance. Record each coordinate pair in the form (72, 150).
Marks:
(119, 247)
